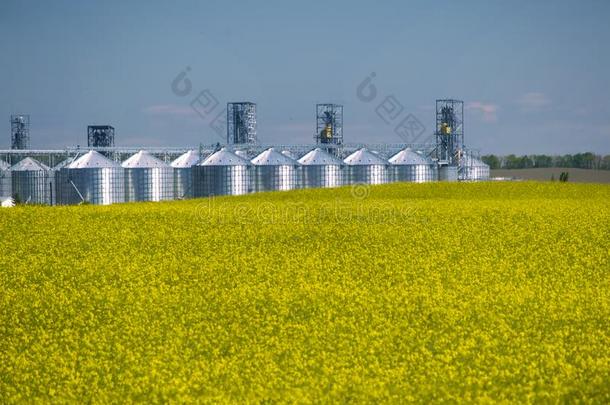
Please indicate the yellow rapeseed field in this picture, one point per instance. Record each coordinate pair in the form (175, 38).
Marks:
(392, 293)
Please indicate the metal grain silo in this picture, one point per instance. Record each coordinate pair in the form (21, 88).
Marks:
(473, 169)
(31, 182)
(53, 176)
(91, 178)
(292, 155)
(408, 165)
(5, 180)
(222, 173)
(242, 154)
(275, 172)
(63, 163)
(366, 167)
(183, 174)
(148, 178)
(321, 169)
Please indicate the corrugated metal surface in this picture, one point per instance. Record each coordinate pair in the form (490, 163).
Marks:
(408, 165)
(448, 173)
(414, 173)
(366, 167)
(473, 169)
(31, 182)
(222, 173)
(320, 169)
(5, 180)
(183, 174)
(54, 174)
(183, 182)
(149, 184)
(148, 178)
(474, 173)
(91, 178)
(275, 172)
(275, 178)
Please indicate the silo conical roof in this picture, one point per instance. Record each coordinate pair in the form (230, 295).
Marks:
(63, 163)
(364, 157)
(409, 157)
(187, 159)
(143, 159)
(92, 160)
(4, 165)
(271, 157)
(318, 156)
(289, 154)
(224, 157)
(29, 164)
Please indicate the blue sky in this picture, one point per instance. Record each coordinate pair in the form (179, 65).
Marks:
(534, 75)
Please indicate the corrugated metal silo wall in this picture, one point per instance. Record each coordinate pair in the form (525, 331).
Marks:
(183, 182)
(6, 186)
(99, 186)
(149, 184)
(31, 186)
(367, 174)
(322, 176)
(275, 178)
(221, 180)
(414, 173)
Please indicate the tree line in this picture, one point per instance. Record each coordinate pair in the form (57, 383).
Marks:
(586, 160)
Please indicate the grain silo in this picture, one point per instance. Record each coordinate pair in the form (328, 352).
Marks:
(408, 165)
(242, 154)
(91, 178)
(472, 169)
(321, 170)
(183, 174)
(5, 180)
(275, 172)
(31, 182)
(292, 155)
(366, 167)
(222, 173)
(53, 176)
(148, 178)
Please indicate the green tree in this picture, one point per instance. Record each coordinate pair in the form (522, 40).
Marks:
(492, 160)
(511, 162)
(588, 160)
(543, 161)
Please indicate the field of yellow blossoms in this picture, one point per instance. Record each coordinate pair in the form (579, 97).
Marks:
(394, 293)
